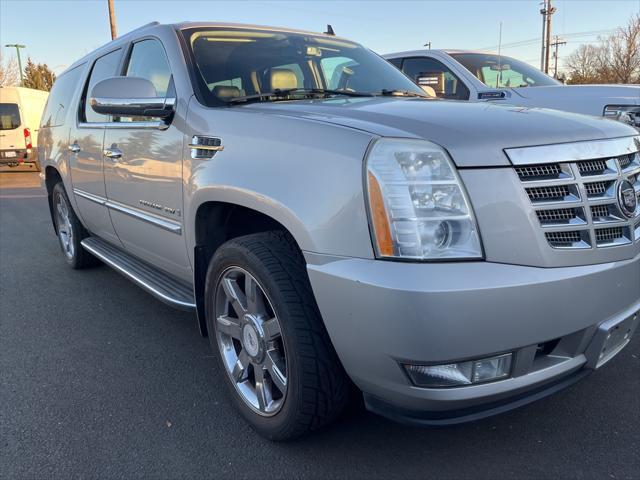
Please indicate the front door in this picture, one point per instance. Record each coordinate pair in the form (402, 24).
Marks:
(85, 156)
(143, 172)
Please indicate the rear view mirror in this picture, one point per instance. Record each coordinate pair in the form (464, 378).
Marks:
(130, 97)
(500, 68)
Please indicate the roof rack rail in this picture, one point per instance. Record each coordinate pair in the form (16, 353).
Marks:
(150, 24)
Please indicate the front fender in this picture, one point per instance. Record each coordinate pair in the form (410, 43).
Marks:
(306, 175)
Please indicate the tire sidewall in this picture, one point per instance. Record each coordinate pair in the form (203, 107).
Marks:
(234, 255)
(59, 191)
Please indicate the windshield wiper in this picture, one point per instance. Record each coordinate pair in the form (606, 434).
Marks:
(283, 93)
(400, 93)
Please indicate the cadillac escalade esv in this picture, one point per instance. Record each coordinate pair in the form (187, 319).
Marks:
(333, 226)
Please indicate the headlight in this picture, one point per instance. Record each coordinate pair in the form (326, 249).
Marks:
(418, 207)
(629, 114)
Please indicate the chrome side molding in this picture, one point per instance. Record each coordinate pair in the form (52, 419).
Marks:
(165, 224)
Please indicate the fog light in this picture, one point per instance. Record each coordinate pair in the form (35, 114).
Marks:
(460, 374)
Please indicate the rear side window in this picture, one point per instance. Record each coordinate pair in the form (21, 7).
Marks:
(9, 116)
(148, 60)
(104, 67)
(60, 98)
(430, 72)
(396, 62)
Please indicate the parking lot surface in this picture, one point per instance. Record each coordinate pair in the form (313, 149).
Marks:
(100, 380)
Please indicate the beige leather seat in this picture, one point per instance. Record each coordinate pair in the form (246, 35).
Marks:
(224, 92)
(429, 90)
(283, 78)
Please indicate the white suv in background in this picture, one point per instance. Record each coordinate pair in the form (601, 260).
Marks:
(477, 76)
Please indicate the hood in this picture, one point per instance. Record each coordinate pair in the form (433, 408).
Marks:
(593, 98)
(475, 134)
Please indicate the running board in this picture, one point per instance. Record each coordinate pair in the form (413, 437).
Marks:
(167, 289)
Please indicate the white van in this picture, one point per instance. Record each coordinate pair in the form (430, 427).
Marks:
(20, 112)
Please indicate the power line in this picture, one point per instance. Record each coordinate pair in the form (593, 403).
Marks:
(531, 41)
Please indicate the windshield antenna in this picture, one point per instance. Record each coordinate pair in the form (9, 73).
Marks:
(329, 30)
(499, 75)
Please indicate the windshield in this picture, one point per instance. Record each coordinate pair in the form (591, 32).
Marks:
(231, 64)
(9, 116)
(503, 72)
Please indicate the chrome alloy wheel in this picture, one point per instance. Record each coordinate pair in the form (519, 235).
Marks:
(250, 341)
(65, 230)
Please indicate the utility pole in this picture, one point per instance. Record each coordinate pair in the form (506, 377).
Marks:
(18, 46)
(556, 43)
(543, 12)
(550, 11)
(112, 20)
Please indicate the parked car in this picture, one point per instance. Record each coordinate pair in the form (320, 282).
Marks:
(477, 76)
(329, 223)
(20, 112)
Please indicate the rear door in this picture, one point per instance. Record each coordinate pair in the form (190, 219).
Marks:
(144, 178)
(86, 159)
(11, 133)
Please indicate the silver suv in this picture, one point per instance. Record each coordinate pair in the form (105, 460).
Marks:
(331, 226)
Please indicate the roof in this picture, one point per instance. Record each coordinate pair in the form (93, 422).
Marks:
(436, 50)
(150, 27)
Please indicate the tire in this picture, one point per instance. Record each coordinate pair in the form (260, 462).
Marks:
(317, 388)
(69, 230)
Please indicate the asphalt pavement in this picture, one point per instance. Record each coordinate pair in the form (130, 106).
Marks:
(100, 380)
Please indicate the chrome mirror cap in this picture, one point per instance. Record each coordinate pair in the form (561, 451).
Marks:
(130, 97)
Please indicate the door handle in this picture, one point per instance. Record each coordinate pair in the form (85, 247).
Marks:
(114, 153)
(74, 147)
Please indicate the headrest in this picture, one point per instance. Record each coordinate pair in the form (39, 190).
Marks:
(225, 91)
(283, 78)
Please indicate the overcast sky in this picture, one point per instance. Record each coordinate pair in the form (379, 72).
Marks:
(58, 32)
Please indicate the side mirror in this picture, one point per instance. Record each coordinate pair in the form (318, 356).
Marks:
(130, 97)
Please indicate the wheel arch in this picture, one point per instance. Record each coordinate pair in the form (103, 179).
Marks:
(216, 222)
(51, 178)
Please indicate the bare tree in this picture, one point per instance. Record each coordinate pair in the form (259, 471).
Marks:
(615, 60)
(9, 73)
(584, 65)
(624, 53)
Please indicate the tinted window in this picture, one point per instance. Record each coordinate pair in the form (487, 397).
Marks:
(60, 98)
(263, 60)
(503, 72)
(148, 60)
(432, 73)
(9, 116)
(104, 67)
(396, 62)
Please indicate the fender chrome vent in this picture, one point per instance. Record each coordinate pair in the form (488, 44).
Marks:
(205, 147)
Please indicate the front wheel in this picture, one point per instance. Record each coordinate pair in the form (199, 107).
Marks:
(284, 376)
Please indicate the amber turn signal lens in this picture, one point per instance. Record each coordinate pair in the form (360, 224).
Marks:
(382, 231)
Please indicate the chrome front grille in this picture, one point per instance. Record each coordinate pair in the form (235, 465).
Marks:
(611, 236)
(540, 172)
(594, 167)
(577, 202)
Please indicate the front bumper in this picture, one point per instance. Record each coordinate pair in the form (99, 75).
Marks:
(381, 314)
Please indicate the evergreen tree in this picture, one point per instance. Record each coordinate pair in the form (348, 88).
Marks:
(38, 76)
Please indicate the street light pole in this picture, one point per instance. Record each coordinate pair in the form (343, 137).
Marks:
(18, 46)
